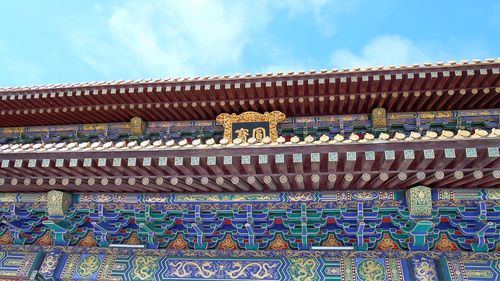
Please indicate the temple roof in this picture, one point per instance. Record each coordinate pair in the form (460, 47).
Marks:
(463, 85)
(248, 76)
(400, 165)
(444, 161)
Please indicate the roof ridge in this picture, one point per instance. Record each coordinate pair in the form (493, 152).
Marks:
(450, 64)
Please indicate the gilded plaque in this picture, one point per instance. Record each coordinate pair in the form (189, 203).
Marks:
(251, 124)
(137, 126)
(379, 118)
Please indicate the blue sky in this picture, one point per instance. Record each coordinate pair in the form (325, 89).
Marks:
(50, 42)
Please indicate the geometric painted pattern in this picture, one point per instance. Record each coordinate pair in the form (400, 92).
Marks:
(178, 130)
(79, 263)
(316, 126)
(477, 270)
(460, 220)
(17, 264)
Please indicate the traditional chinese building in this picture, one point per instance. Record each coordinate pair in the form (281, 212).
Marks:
(386, 173)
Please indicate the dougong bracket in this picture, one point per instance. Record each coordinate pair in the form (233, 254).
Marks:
(420, 232)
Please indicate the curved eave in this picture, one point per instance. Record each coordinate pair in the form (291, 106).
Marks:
(433, 88)
(381, 165)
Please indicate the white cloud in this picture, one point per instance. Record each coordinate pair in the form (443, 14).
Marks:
(384, 50)
(184, 38)
(173, 38)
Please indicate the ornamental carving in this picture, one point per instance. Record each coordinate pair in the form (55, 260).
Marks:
(436, 114)
(45, 240)
(133, 240)
(5, 238)
(278, 243)
(424, 269)
(49, 264)
(371, 270)
(144, 267)
(222, 269)
(387, 244)
(445, 244)
(379, 118)
(178, 244)
(57, 203)
(13, 130)
(228, 244)
(94, 127)
(251, 124)
(230, 197)
(331, 242)
(88, 266)
(303, 269)
(419, 201)
(137, 126)
(8, 197)
(88, 241)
